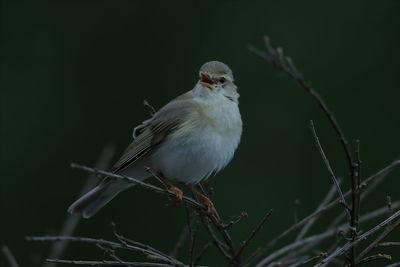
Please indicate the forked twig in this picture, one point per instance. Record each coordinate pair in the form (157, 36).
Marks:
(362, 237)
(252, 235)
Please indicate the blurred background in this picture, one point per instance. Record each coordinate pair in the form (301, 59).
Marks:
(74, 76)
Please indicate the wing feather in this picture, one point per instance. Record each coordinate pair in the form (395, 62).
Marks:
(155, 130)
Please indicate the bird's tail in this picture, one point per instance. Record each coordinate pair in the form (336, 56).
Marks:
(90, 203)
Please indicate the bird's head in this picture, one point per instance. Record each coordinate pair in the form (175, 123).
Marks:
(216, 78)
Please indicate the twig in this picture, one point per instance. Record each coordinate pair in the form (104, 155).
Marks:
(362, 237)
(396, 264)
(107, 243)
(368, 182)
(388, 244)
(382, 236)
(252, 235)
(136, 181)
(333, 231)
(201, 253)
(181, 241)
(72, 220)
(155, 253)
(118, 263)
(235, 221)
(375, 257)
(295, 245)
(306, 261)
(277, 58)
(220, 225)
(220, 246)
(328, 166)
(9, 256)
(192, 234)
(111, 253)
(308, 225)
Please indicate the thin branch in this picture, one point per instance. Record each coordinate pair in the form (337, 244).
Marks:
(111, 244)
(235, 221)
(72, 220)
(201, 253)
(374, 258)
(110, 252)
(221, 226)
(389, 229)
(362, 237)
(180, 242)
(306, 261)
(296, 244)
(109, 263)
(333, 231)
(220, 246)
(368, 182)
(388, 244)
(328, 166)
(396, 264)
(155, 253)
(325, 201)
(9, 256)
(136, 181)
(277, 58)
(252, 235)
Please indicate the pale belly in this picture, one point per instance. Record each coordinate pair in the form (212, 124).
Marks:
(192, 158)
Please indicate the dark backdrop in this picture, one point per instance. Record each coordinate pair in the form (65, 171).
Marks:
(74, 76)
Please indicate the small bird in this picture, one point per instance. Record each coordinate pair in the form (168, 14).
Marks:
(192, 137)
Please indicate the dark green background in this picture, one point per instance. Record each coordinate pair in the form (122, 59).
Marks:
(74, 76)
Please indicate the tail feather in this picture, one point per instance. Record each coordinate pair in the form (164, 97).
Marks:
(90, 203)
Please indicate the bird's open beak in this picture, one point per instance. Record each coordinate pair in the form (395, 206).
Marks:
(206, 81)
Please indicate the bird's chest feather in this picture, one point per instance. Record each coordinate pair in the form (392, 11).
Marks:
(217, 130)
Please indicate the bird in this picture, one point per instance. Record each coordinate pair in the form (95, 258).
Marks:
(191, 138)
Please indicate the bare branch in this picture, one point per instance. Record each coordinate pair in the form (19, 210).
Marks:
(362, 237)
(374, 258)
(126, 246)
(294, 245)
(9, 256)
(388, 244)
(313, 242)
(201, 253)
(397, 264)
(276, 57)
(368, 182)
(155, 253)
(72, 220)
(389, 229)
(328, 166)
(236, 220)
(326, 200)
(252, 235)
(136, 181)
(109, 263)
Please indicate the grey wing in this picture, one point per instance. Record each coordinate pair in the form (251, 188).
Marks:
(153, 131)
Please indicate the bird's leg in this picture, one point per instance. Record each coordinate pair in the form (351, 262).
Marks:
(203, 199)
(177, 192)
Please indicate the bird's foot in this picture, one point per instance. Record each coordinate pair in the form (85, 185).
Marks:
(177, 192)
(210, 210)
(208, 204)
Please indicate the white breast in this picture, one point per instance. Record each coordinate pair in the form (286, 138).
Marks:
(202, 146)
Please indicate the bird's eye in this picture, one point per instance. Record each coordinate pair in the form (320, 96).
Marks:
(222, 80)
